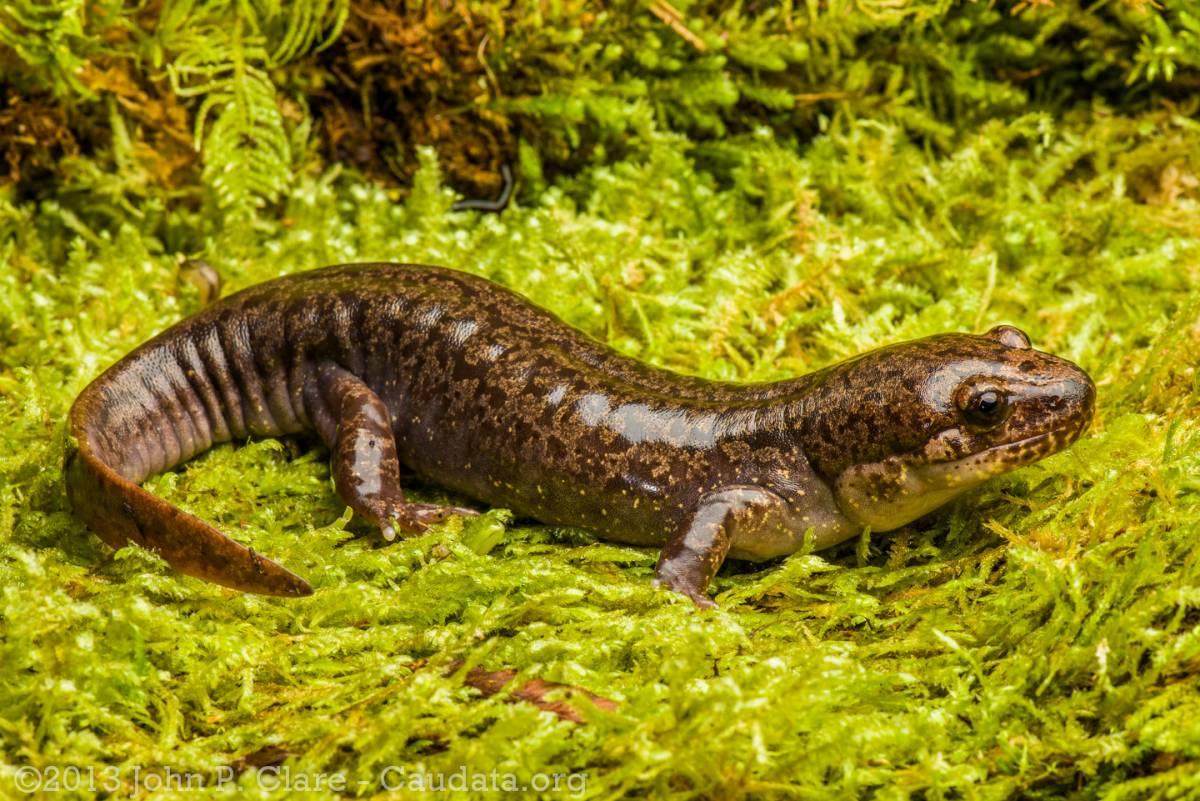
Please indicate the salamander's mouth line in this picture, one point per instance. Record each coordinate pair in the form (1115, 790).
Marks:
(895, 491)
(972, 470)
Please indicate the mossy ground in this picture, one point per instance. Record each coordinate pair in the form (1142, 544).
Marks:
(1039, 638)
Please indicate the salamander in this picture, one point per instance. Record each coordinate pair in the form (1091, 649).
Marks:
(474, 388)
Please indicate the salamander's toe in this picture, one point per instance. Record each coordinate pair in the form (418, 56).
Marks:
(423, 515)
(701, 600)
(432, 513)
(398, 518)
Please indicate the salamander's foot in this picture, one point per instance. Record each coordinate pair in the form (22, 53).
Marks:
(396, 518)
(354, 423)
(679, 585)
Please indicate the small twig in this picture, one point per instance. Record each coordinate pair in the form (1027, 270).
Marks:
(674, 20)
(534, 691)
(776, 305)
(1024, 4)
(481, 55)
(814, 97)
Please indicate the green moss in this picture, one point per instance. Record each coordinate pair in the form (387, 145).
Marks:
(1037, 639)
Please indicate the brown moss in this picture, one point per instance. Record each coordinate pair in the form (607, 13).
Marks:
(36, 136)
(399, 78)
(164, 145)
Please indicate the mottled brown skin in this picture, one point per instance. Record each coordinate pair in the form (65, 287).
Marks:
(476, 389)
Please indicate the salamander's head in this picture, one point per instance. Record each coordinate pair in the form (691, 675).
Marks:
(901, 430)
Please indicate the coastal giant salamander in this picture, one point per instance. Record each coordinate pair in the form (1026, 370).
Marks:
(476, 389)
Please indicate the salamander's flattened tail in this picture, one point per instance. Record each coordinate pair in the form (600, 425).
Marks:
(151, 411)
(120, 512)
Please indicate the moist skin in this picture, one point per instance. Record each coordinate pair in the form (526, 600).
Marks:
(474, 388)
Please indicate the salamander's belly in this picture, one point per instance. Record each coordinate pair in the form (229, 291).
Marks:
(770, 543)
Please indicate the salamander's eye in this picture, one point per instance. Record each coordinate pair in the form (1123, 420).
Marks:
(984, 407)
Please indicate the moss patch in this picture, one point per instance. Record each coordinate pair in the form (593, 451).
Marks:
(1039, 638)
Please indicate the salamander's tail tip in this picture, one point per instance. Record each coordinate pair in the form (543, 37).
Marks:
(231, 564)
(273, 579)
(122, 512)
(303, 589)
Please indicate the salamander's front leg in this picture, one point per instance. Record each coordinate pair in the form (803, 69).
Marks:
(355, 425)
(695, 552)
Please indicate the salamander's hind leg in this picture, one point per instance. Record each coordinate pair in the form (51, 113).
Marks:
(354, 424)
